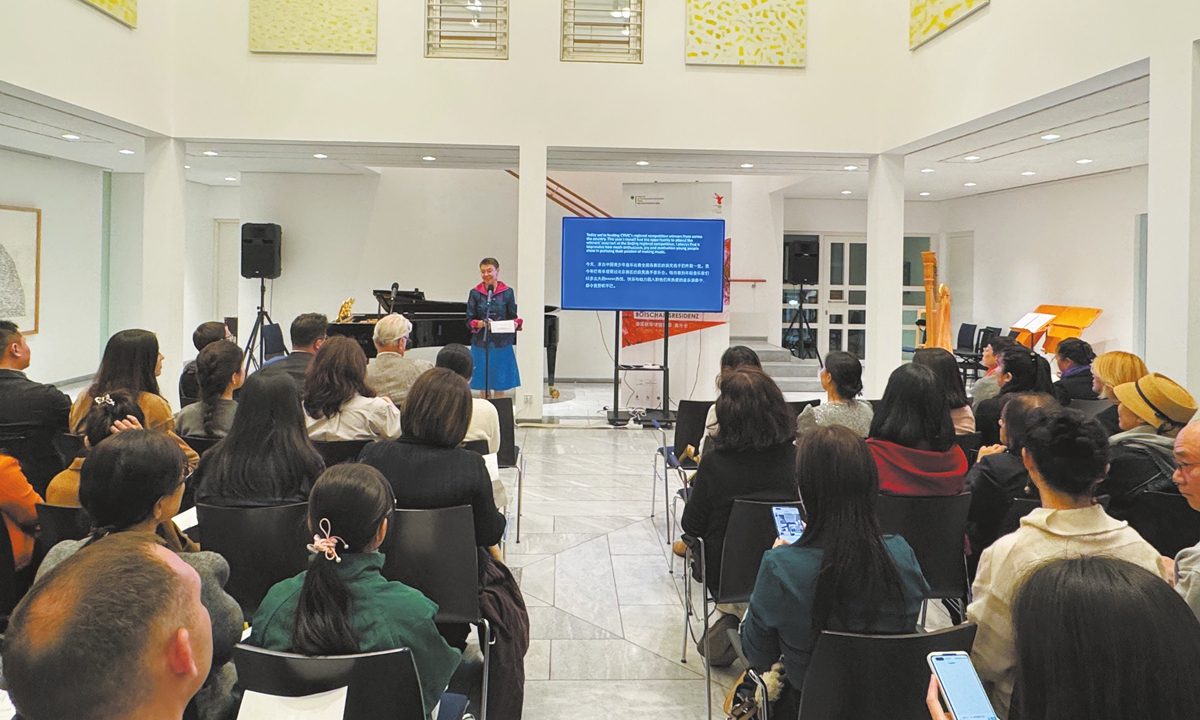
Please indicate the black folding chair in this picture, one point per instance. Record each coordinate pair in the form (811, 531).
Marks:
(970, 444)
(11, 590)
(68, 447)
(201, 444)
(509, 455)
(60, 522)
(434, 551)
(1091, 408)
(477, 446)
(798, 406)
(263, 546)
(380, 685)
(1166, 521)
(336, 452)
(689, 430)
(935, 528)
(749, 533)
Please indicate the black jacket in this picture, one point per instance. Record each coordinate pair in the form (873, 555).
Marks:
(994, 481)
(31, 415)
(189, 385)
(294, 365)
(1075, 387)
(1110, 419)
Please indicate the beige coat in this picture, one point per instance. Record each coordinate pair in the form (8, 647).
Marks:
(391, 374)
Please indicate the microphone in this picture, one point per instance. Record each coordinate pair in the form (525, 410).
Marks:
(395, 289)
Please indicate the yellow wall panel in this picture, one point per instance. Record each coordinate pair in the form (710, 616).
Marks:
(747, 32)
(931, 17)
(123, 10)
(335, 27)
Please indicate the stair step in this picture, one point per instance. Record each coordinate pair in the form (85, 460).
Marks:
(808, 369)
(798, 384)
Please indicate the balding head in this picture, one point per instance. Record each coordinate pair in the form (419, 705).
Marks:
(1187, 464)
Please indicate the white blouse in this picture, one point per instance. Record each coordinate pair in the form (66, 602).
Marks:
(360, 418)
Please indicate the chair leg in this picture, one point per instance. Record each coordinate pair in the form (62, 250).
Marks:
(707, 641)
(520, 488)
(487, 666)
(687, 605)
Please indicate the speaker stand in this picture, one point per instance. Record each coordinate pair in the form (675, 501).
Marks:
(255, 342)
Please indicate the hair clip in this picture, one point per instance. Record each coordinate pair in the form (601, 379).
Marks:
(105, 399)
(327, 544)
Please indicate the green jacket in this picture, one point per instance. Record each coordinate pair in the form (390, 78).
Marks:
(383, 614)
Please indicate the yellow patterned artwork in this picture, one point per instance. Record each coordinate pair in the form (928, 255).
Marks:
(329, 27)
(123, 10)
(930, 17)
(747, 32)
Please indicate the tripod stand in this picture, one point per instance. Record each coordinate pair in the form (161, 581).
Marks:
(256, 332)
(806, 340)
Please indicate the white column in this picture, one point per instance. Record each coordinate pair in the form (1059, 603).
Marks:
(163, 229)
(531, 279)
(1173, 262)
(885, 277)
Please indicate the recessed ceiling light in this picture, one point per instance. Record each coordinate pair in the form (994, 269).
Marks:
(320, 156)
(231, 179)
(641, 163)
(927, 170)
(846, 192)
(210, 153)
(429, 158)
(971, 158)
(924, 194)
(130, 152)
(1051, 136)
(1029, 173)
(70, 136)
(1084, 161)
(850, 167)
(747, 165)
(187, 167)
(968, 184)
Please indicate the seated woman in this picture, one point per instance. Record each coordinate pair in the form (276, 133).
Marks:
(943, 364)
(342, 604)
(1066, 454)
(912, 437)
(133, 482)
(267, 458)
(986, 387)
(219, 373)
(485, 421)
(840, 575)
(1074, 359)
(337, 400)
(1019, 370)
(98, 424)
(1108, 371)
(133, 363)
(18, 507)
(842, 382)
(1151, 413)
(753, 458)
(998, 477)
(734, 357)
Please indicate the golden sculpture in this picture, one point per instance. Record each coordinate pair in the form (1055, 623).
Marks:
(937, 306)
(344, 311)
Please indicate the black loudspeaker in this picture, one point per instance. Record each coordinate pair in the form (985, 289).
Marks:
(803, 269)
(261, 256)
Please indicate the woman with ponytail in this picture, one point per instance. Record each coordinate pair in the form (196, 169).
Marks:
(842, 381)
(219, 372)
(1019, 370)
(342, 604)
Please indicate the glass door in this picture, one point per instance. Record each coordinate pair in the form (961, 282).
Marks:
(842, 314)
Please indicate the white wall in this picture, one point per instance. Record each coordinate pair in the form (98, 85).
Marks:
(205, 205)
(70, 197)
(125, 253)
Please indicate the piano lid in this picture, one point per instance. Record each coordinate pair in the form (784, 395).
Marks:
(413, 301)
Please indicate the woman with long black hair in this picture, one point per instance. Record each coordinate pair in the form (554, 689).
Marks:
(219, 373)
(912, 437)
(842, 574)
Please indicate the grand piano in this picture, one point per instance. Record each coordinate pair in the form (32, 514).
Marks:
(436, 323)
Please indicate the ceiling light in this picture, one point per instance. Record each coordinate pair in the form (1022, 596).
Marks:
(1051, 136)
(187, 167)
(130, 152)
(850, 167)
(924, 194)
(70, 136)
(210, 153)
(968, 184)
(846, 192)
(320, 156)
(641, 163)
(927, 170)
(971, 158)
(1084, 161)
(429, 158)
(1029, 173)
(231, 179)
(747, 165)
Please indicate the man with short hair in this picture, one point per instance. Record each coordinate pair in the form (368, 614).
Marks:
(308, 333)
(116, 631)
(189, 384)
(389, 373)
(31, 414)
(1187, 479)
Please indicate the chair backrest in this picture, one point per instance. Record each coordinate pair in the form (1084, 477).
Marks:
(476, 446)
(67, 446)
(9, 596)
(689, 424)
(966, 338)
(336, 452)
(798, 406)
(434, 551)
(749, 533)
(985, 337)
(1166, 521)
(506, 456)
(59, 522)
(263, 546)
(1017, 509)
(875, 676)
(1091, 408)
(934, 527)
(379, 685)
(201, 444)
(970, 443)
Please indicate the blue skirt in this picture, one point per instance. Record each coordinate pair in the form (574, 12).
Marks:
(501, 366)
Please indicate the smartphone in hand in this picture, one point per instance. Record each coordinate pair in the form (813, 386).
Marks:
(788, 523)
(962, 690)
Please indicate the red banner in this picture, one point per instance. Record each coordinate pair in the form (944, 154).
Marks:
(641, 327)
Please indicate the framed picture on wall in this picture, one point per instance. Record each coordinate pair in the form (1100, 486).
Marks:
(20, 266)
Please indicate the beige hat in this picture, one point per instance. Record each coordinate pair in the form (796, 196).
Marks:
(1158, 400)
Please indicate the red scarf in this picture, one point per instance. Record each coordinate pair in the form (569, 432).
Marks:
(500, 287)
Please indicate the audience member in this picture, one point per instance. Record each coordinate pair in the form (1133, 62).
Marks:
(133, 483)
(485, 420)
(840, 575)
(734, 357)
(1187, 479)
(342, 604)
(1074, 359)
(752, 457)
(267, 458)
(18, 507)
(31, 414)
(1108, 371)
(98, 424)
(986, 387)
(912, 437)
(113, 633)
(1019, 370)
(999, 476)
(337, 400)
(132, 362)
(308, 333)
(1065, 454)
(943, 364)
(189, 385)
(390, 373)
(841, 379)
(219, 370)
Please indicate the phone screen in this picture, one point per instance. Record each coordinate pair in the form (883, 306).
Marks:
(788, 522)
(961, 687)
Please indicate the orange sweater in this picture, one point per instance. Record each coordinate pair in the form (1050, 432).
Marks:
(18, 505)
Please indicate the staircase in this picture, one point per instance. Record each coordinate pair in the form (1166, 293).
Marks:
(789, 372)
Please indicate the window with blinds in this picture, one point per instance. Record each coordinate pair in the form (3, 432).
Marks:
(602, 30)
(466, 29)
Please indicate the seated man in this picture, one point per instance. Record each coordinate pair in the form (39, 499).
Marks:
(1187, 479)
(31, 414)
(390, 373)
(116, 631)
(189, 384)
(308, 334)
